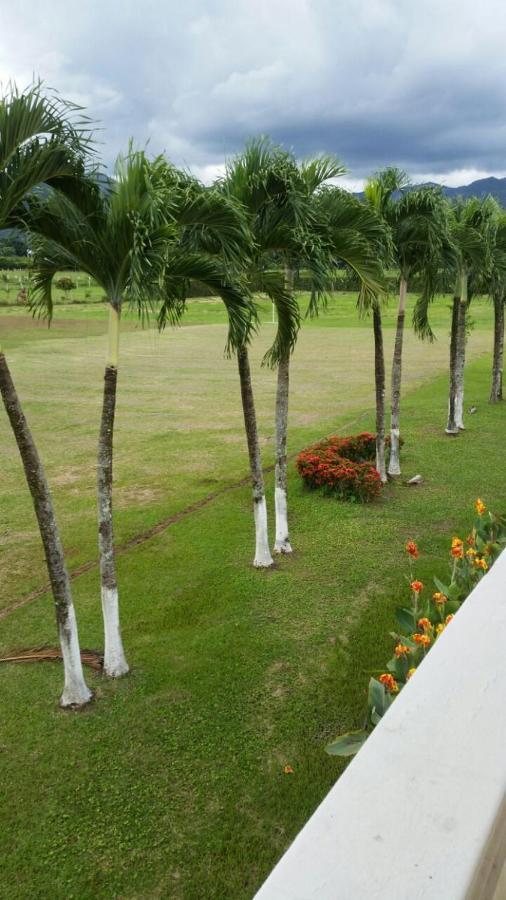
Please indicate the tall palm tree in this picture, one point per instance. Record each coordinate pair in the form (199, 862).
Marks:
(419, 228)
(259, 180)
(496, 286)
(128, 238)
(422, 245)
(471, 228)
(40, 144)
(293, 240)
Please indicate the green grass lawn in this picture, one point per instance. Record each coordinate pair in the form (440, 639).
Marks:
(172, 783)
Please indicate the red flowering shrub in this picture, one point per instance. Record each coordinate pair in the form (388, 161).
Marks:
(342, 466)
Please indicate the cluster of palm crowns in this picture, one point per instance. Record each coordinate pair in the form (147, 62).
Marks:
(149, 231)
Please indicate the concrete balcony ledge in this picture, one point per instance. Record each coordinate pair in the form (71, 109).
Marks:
(420, 812)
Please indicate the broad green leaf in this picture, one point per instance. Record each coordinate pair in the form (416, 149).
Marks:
(442, 588)
(347, 744)
(406, 619)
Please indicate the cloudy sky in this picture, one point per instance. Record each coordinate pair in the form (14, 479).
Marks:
(416, 83)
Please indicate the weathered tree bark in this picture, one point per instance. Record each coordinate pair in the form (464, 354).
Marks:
(451, 425)
(497, 365)
(75, 691)
(282, 543)
(394, 465)
(263, 558)
(379, 378)
(461, 354)
(115, 663)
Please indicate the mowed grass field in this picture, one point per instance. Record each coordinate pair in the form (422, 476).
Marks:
(172, 783)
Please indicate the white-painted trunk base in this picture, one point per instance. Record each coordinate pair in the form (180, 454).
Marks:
(380, 466)
(75, 691)
(394, 465)
(115, 663)
(282, 544)
(263, 558)
(459, 410)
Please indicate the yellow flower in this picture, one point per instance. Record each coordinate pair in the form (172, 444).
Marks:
(480, 507)
(481, 564)
(457, 548)
(288, 770)
(471, 552)
(402, 650)
(422, 639)
(411, 672)
(440, 628)
(438, 597)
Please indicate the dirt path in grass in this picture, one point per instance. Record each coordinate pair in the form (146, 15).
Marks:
(144, 536)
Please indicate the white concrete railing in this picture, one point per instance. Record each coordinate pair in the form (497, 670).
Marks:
(420, 812)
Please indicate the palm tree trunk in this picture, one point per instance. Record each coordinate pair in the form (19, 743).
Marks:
(379, 377)
(75, 691)
(115, 663)
(394, 466)
(461, 354)
(282, 543)
(497, 366)
(451, 425)
(263, 558)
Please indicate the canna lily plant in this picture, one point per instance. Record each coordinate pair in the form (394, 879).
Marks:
(425, 620)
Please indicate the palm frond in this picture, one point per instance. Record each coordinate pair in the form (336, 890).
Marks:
(182, 267)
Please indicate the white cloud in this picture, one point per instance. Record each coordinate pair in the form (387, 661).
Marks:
(421, 85)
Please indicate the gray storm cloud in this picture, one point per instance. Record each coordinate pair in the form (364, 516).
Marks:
(421, 85)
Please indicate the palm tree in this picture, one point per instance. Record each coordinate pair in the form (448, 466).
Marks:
(39, 144)
(418, 224)
(471, 228)
(128, 239)
(354, 233)
(420, 235)
(260, 181)
(294, 240)
(496, 287)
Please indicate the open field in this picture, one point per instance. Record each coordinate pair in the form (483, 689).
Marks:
(172, 784)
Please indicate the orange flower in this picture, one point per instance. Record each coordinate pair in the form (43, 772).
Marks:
(288, 770)
(412, 549)
(425, 624)
(458, 552)
(389, 682)
(470, 539)
(416, 586)
(402, 650)
(481, 564)
(411, 672)
(438, 597)
(422, 639)
(480, 507)
(449, 619)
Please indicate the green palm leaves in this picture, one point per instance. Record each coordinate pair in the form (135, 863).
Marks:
(43, 140)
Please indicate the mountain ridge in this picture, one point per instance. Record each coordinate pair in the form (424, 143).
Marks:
(482, 187)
